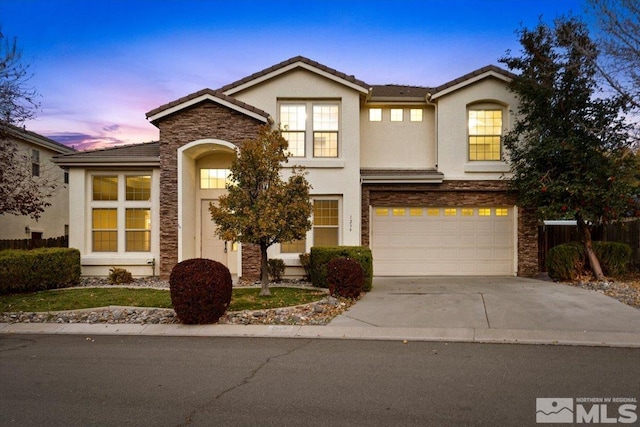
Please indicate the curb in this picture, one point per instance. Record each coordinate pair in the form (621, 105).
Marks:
(406, 335)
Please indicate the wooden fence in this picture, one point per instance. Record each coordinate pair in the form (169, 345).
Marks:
(53, 242)
(625, 232)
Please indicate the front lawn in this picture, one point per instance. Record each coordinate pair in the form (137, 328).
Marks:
(81, 298)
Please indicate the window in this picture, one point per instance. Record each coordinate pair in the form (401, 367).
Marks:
(415, 211)
(502, 212)
(325, 223)
(215, 179)
(396, 114)
(121, 212)
(293, 119)
(433, 212)
(66, 176)
(325, 130)
(450, 212)
(484, 212)
(485, 132)
(105, 188)
(416, 114)
(375, 114)
(138, 230)
(138, 188)
(467, 212)
(382, 212)
(294, 247)
(35, 163)
(105, 230)
(399, 211)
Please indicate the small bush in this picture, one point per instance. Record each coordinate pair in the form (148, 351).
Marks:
(614, 257)
(118, 276)
(305, 261)
(38, 269)
(321, 256)
(568, 261)
(276, 269)
(200, 290)
(345, 278)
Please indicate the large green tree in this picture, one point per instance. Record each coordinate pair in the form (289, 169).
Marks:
(260, 207)
(569, 150)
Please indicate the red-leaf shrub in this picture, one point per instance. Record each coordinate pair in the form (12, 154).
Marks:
(200, 290)
(345, 277)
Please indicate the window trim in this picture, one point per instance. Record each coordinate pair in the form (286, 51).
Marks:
(486, 107)
(311, 130)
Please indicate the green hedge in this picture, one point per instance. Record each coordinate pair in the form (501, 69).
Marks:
(567, 261)
(322, 255)
(38, 269)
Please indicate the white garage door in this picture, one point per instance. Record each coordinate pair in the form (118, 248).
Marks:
(409, 241)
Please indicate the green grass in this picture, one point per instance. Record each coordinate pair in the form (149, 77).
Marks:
(79, 298)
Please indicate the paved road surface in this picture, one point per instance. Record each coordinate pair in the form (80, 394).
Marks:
(208, 381)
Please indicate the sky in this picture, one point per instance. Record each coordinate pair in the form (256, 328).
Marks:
(100, 65)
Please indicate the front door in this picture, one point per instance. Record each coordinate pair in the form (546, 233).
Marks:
(214, 248)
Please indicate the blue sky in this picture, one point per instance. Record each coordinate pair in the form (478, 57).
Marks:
(99, 65)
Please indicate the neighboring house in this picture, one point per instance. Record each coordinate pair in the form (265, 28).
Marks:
(38, 152)
(415, 173)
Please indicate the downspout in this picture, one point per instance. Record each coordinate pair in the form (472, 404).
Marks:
(427, 99)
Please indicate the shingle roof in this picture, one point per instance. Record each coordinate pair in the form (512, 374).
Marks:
(36, 138)
(214, 93)
(147, 153)
(387, 92)
(469, 76)
(288, 62)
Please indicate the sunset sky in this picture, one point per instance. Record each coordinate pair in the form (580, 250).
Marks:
(99, 66)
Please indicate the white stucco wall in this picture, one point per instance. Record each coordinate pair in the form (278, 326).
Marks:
(339, 177)
(452, 149)
(55, 217)
(80, 235)
(398, 145)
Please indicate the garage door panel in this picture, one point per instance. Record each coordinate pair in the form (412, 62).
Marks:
(430, 244)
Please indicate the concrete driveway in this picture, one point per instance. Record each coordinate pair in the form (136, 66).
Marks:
(492, 306)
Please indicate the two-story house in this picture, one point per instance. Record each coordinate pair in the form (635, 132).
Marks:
(35, 153)
(416, 173)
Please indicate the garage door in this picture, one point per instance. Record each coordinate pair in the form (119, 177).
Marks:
(411, 241)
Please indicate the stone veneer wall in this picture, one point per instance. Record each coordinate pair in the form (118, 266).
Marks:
(456, 193)
(202, 121)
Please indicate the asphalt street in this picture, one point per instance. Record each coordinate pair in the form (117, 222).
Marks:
(72, 380)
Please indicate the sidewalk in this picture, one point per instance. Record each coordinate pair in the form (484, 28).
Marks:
(452, 309)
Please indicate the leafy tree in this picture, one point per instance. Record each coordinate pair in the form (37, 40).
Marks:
(20, 192)
(570, 153)
(259, 206)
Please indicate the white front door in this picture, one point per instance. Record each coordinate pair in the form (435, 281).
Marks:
(214, 248)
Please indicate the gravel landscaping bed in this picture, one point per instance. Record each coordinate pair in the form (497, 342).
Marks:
(316, 313)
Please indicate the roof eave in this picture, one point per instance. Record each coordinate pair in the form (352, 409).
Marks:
(473, 79)
(107, 161)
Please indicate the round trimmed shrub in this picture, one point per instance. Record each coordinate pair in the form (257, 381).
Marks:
(200, 290)
(345, 277)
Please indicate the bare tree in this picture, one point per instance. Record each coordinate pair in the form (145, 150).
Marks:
(22, 191)
(618, 25)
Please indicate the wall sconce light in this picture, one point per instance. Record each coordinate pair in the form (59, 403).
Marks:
(27, 230)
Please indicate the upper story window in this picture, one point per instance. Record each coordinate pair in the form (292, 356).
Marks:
(293, 119)
(138, 187)
(485, 134)
(375, 114)
(35, 163)
(323, 122)
(416, 114)
(396, 114)
(105, 187)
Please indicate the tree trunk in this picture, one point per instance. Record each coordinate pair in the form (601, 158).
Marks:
(264, 271)
(585, 230)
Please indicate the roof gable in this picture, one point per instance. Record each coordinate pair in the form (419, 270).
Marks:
(212, 96)
(490, 71)
(34, 138)
(145, 154)
(292, 64)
